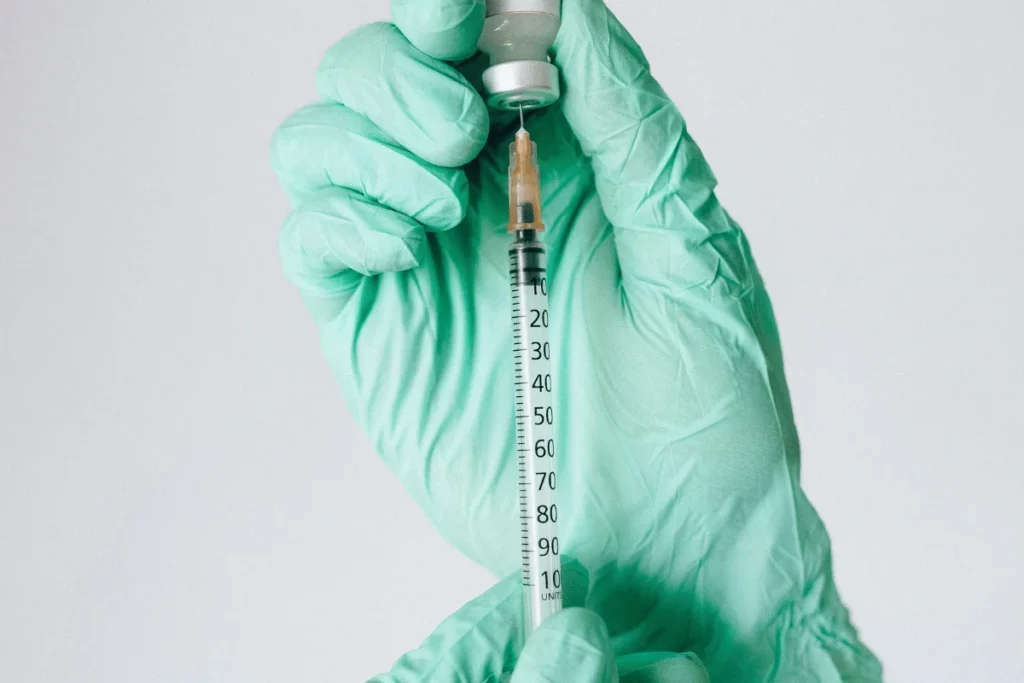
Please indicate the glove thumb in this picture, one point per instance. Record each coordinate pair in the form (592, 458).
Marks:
(572, 645)
(620, 114)
(653, 182)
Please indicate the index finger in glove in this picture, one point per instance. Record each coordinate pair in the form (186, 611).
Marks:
(483, 640)
(477, 643)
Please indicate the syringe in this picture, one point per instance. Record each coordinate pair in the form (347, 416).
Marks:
(535, 431)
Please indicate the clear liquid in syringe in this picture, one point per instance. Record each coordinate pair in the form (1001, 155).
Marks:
(534, 384)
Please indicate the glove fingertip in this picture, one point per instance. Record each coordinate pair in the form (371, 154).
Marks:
(446, 30)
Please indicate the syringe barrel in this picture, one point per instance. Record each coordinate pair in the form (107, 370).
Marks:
(535, 429)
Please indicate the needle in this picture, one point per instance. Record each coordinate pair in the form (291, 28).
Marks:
(522, 124)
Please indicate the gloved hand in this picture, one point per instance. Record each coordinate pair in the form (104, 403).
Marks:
(483, 642)
(678, 468)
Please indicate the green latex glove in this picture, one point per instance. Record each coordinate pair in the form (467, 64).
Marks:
(678, 479)
(483, 643)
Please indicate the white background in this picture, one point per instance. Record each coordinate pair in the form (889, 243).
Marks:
(182, 494)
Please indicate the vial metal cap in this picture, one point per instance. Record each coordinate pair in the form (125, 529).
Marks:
(526, 83)
(507, 6)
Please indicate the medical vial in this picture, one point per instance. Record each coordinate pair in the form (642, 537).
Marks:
(517, 36)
